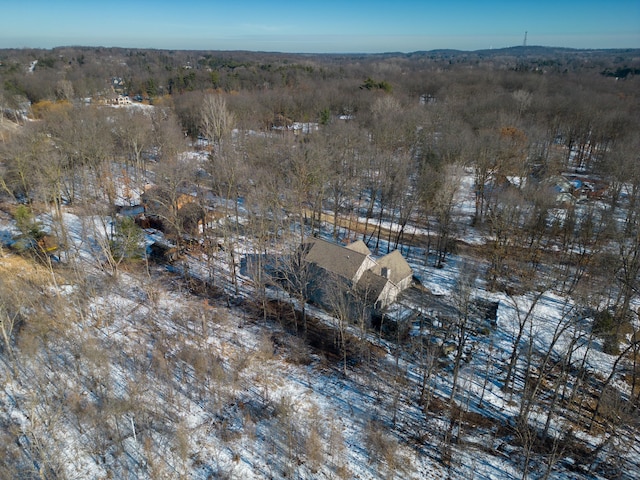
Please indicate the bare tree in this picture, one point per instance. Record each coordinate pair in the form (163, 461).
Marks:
(296, 274)
(338, 296)
(64, 90)
(343, 148)
(216, 121)
(461, 327)
(134, 136)
(442, 209)
(174, 177)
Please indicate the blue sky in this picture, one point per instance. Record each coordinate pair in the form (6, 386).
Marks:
(321, 26)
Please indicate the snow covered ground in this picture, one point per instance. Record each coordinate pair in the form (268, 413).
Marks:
(132, 376)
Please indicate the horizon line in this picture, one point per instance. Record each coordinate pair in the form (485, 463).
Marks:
(390, 52)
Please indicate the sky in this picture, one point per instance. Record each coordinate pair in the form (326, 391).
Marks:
(325, 26)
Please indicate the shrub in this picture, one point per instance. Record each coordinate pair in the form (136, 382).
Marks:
(27, 224)
(127, 241)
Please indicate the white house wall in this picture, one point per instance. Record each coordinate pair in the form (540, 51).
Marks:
(368, 264)
(404, 283)
(388, 295)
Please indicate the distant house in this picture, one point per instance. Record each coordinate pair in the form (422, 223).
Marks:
(122, 100)
(427, 99)
(305, 127)
(117, 100)
(353, 268)
(282, 124)
(569, 189)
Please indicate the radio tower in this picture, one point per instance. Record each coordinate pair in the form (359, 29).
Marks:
(524, 44)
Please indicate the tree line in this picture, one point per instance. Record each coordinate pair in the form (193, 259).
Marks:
(551, 155)
(396, 154)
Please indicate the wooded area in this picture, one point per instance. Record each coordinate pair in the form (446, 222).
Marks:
(513, 176)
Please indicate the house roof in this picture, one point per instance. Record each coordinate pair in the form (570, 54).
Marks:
(359, 246)
(371, 286)
(333, 258)
(398, 267)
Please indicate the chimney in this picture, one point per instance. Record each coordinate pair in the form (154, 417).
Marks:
(386, 272)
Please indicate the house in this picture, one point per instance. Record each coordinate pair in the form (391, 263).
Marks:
(569, 189)
(120, 100)
(304, 127)
(348, 263)
(173, 210)
(159, 198)
(130, 210)
(353, 268)
(283, 124)
(395, 268)
(163, 252)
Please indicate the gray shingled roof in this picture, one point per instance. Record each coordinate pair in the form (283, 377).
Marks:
(359, 246)
(371, 286)
(396, 263)
(335, 258)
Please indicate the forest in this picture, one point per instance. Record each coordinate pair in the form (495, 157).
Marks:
(155, 315)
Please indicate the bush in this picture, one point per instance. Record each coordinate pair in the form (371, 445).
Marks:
(604, 323)
(127, 241)
(612, 329)
(27, 224)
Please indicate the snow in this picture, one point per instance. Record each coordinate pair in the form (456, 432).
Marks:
(176, 365)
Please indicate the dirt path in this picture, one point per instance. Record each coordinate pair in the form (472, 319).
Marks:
(356, 227)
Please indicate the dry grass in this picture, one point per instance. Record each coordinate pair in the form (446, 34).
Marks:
(16, 271)
(29, 297)
(7, 129)
(354, 225)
